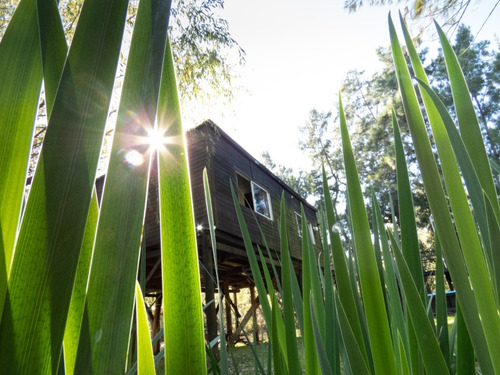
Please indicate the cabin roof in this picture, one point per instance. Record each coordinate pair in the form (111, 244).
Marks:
(210, 124)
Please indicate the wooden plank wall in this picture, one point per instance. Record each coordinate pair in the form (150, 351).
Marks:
(224, 159)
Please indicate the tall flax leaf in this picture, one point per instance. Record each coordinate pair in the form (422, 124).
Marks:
(47, 252)
(466, 165)
(77, 305)
(252, 259)
(182, 314)
(409, 239)
(53, 48)
(432, 357)
(378, 325)
(394, 306)
(344, 287)
(289, 316)
(20, 80)
(223, 348)
(467, 120)
(464, 221)
(145, 359)
(466, 229)
(478, 198)
(124, 195)
(437, 202)
(441, 309)
(310, 352)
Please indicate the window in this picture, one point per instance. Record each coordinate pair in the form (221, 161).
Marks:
(298, 221)
(261, 201)
(244, 191)
(254, 196)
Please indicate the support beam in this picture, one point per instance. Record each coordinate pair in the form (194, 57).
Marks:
(246, 318)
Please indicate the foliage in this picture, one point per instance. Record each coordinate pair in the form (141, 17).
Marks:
(369, 102)
(450, 12)
(58, 250)
(376, 318)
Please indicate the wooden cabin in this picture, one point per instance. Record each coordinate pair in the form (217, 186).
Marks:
(259, 194)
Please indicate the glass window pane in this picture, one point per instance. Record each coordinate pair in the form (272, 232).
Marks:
(261, 201)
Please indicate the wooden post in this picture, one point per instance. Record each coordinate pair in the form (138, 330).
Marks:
(210, 313)
(254, 315)
(156, 323)
(227, 298)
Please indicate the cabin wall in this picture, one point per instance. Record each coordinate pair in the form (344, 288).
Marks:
(224, 160)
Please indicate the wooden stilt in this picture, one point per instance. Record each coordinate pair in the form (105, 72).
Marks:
(156, 323)
(254, 315)
(227, 298)
(210, 313)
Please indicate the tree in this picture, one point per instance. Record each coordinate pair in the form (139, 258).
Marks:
(449, 11)
(204, 53)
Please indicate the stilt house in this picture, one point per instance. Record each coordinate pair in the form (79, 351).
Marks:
(259, 194)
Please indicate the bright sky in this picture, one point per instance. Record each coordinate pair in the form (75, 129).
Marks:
(298, 53)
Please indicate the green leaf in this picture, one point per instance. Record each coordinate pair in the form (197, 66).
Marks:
(437, 202)
(47, 252)
(355, 358)
(126, 206)
(286, 275)
(21, 77)
(77, 304)
(467, 120)
(344, 287)
(432, 357)
(211, 224)
(183, 319)
(145, 359)
(373, 298)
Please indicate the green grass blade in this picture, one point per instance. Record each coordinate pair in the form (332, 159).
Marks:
(441, 306)
(331, 329)
(324, 362)
(344, 287)
(182, 314)
(474, 188)
(467, 121)
(356, 360)
(211, 224)
(470, 242)
(395, 308)
(126, 206)
(145, 359)
(437, 201)
(77, 304)
(54, 221)
(494, 232)
(373, 298)
(254, 265)
(279, 365)
(289, 315)
(432, 357)
(310, 353)
(315, 275)
(465, 352)
(53, 47)
(21, 77)
(409, 238)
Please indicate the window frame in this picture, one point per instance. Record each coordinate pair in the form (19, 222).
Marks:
(268, 199)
